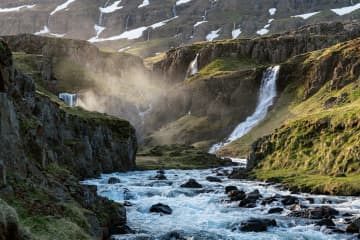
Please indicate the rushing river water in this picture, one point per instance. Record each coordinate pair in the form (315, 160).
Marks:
(204, 214)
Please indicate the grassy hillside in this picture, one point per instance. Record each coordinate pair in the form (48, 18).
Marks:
(317, 147)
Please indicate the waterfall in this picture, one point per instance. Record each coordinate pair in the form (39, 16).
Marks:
(69, 98)
(127, 22)
(193, 67)
(174, 10)
(266, 99)
(101, 17)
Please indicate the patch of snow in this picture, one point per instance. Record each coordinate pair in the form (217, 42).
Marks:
(272, 11)
(16, 9)
(124, 49)
(236, 33)
(346, 10)
(213, 34)
(46, 30)
(111, 8)
(306, 15)
(179, 2)
(63, 6)
(199, 23)
(131, 34)
(144, 4)
(263, 31)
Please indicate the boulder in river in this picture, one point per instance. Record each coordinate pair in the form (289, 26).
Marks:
(213, 179)
(326, 222)
(113, 180)
(315, 213)
(160, 176)
(257, 225)
(161, 208)
(289, 200)
(354, 227)
(230, 188)
(236, 195)
(275, 210)
(250, 200)
(191, 183)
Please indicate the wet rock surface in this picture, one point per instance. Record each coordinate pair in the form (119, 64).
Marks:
(161, 208)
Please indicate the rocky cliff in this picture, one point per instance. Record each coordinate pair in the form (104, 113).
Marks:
(205, 108)
(317, 148)
(263, 50)
(46, 147)
(149, 28)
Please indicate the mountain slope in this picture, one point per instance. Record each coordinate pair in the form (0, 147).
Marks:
(145, 29)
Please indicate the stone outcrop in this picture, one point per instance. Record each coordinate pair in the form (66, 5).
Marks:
(273, 49)
(47, 147)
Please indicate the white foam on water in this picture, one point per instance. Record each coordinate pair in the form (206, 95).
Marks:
(200, 214)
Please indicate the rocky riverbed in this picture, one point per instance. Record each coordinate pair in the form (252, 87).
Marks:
(205, 204)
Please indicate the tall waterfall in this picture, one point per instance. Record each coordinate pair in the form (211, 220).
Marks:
(193, 67)
(266, 100)
(69, 99)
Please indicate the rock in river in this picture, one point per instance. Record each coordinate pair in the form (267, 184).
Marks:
(161, 208)
(192, 183)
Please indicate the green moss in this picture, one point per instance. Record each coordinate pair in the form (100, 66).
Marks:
(177, 157)
(52, 228)
(223, 66)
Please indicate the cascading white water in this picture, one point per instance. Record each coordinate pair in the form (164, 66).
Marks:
(266, 99)
(204, 214)
(69, 98)
(174, 10)
(193, 67)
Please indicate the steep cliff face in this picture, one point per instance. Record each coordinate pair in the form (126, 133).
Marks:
(155, 27)
(46, 147)
(113, 83)
(270, 50)
(317, 149)
(205, 108)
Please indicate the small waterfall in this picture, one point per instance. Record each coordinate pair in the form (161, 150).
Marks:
(193, 67)
(101, 17)
(69, 99)
(266, 99)
(205, 15)
(127, 20)
(174, 11)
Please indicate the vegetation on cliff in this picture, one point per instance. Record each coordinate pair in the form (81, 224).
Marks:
(317, 148)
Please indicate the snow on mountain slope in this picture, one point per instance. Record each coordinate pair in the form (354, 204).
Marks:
(150, 26)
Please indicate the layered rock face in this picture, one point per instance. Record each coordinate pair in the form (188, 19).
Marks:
(211, 104)
(46, 147)
(321, 138)
(268, 50)
(164, 24)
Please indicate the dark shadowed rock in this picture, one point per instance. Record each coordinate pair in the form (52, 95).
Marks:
(326, 222)
(160, 176)
(275, 210)
(250, 200)
(213, 179)
(113, 180)
(289, 200)
(236, 195)
(354, 227)
(230, 188)
(191, 183)
(161, 208)
(257, 225)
